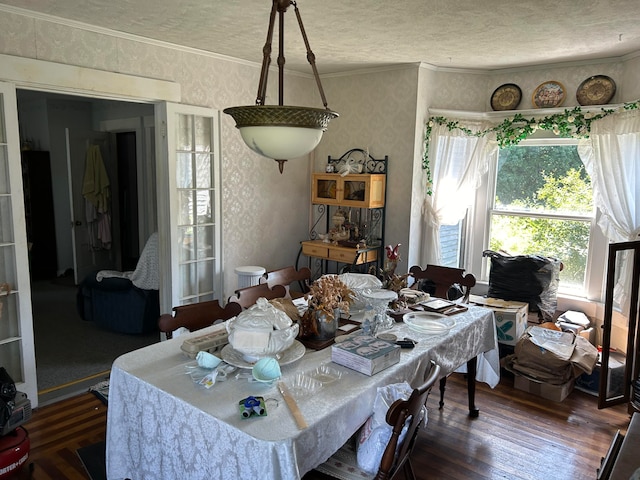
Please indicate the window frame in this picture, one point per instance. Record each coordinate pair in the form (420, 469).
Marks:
(477, 238)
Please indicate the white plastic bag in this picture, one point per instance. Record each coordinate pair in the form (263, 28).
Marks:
(376, 432)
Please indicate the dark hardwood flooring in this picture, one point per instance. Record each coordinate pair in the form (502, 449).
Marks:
(517, 436)
(56, 431)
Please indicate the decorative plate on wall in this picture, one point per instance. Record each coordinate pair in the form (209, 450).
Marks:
(596, 90)
(506, 97)
(548, 95)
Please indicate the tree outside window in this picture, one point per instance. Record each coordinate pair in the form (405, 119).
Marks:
(543, 206)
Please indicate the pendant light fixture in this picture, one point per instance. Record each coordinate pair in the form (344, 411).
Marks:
(280, 131)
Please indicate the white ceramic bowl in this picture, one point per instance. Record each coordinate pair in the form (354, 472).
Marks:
(261, 331)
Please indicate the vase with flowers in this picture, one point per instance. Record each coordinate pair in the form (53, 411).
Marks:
(327, 299)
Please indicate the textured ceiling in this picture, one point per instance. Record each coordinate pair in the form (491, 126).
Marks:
(348, 35)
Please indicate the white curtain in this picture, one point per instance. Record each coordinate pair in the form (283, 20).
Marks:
(611, 156)
(458, 161)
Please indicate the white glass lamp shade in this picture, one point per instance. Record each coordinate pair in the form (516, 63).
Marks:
(281, 142)
(281, 132)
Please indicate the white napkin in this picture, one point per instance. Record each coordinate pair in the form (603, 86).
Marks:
(179, 331)
(253, 341)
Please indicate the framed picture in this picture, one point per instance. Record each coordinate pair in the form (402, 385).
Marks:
(548, 95)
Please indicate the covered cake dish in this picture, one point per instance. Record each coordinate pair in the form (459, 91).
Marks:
(358, 283)
(261, 331)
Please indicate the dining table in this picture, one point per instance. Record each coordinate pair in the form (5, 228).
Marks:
(161, 424)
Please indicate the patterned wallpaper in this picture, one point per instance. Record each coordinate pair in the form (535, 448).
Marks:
(378, 112)
(266, 214)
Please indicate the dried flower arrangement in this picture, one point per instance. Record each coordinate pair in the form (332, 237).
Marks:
(326, 295)
(329, 293)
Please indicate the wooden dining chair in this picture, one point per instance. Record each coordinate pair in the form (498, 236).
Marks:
(195, 316)
(248, 296)
(444, 278)
(396, 456)
(288, 276)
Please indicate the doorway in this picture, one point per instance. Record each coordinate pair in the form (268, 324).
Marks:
(70, 351)
(128, 198)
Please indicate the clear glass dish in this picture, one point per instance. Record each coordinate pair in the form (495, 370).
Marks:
(303, 385)
(428, 322)
(325, 374)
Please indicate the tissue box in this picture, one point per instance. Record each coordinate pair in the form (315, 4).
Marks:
(365, 354)
(511, 317)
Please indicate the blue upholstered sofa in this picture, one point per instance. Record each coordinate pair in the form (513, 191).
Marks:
(126, 302)
(118, 305)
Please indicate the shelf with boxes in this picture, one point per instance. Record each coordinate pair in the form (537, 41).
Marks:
(349, 205)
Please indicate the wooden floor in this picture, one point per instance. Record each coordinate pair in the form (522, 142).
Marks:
(56, 431)
(517, 436)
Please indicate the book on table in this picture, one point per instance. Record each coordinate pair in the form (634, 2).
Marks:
(437, 305)
(365, 353)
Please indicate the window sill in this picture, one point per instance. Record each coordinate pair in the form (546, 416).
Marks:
(566, 302)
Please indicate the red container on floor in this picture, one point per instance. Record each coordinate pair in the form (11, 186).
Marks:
(14, 452)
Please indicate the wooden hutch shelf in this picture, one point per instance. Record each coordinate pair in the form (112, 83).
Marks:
(361, 197)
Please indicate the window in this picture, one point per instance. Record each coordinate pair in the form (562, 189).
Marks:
(538, 200)
(451, 246)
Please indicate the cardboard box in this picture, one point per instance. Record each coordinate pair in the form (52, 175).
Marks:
(511, 317)
(555, 393)
(591, 383)
(589, 334)
(365, 354)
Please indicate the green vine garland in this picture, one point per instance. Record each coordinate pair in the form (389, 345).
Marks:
(572, 123)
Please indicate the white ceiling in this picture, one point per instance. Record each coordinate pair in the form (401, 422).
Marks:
(350, 35)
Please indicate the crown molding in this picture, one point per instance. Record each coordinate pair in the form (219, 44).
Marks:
(122, 35)
(531, 68)
(27, 73)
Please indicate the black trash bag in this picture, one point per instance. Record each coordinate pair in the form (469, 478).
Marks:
(532, 279)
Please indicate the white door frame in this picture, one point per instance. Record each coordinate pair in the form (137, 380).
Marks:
(174, 282)
(21, 284)
(30, 74)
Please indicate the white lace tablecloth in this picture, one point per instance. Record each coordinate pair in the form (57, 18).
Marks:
(160, 425)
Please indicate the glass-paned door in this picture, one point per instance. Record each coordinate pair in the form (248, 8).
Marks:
(189, 170)
(17, 351)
